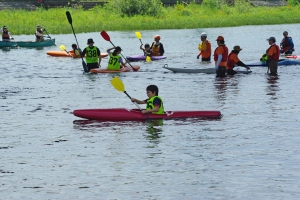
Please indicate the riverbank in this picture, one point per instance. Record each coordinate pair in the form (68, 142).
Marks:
(177, 17)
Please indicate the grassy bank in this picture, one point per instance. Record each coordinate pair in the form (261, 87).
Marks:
(177, 17)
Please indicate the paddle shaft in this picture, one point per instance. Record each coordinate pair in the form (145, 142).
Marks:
(49, 37)
(70, 21)
(15, 42)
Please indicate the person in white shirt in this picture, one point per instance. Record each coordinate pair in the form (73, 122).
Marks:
(6, 36)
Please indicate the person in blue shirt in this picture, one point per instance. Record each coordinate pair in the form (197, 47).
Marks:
(287, 44)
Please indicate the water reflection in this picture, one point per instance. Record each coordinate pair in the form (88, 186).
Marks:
(154, 130)
(221, 88)
(272, 86)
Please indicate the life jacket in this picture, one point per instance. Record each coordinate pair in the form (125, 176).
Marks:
(155, 49)
(5, 35)
(276, 55)
(224, 55)
(150, 105)
(39, 37)
(113, 63)
(230, 63)
(91, 54)
(285, 42)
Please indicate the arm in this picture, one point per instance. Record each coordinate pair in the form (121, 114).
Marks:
(291, 43)
(155, 109)
(108, 50)
(240, 63)
(99, 56)
(84, 52)
(162, 51)
(141, 48)
(218, 61)
(138, 101)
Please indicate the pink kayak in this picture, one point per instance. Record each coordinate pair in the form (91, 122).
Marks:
(123, 114)
(295, 57)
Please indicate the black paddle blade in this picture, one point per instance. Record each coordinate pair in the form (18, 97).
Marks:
(105, 36)
(69, 17)
(85, 68)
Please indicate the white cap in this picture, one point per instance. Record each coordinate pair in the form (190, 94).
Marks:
(203, 34)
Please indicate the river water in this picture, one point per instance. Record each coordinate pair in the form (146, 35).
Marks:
(252, 152)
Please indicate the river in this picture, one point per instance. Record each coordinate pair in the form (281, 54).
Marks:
(252, 152)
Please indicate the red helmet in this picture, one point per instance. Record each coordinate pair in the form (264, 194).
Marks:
(157, 37)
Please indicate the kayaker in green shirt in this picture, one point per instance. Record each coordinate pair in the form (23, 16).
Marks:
(154, 102)
(115, 60)
(93, 55)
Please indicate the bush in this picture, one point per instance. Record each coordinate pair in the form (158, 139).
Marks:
(135, 7)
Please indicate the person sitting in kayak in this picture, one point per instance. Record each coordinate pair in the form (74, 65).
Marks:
(204, 48)
(6, 36)
(157, 47)
(39, 34)
(93, 55)
(147, 50)
(115, 60)
(233, 60)
(287, 44)
(154, 102)
(75, 51)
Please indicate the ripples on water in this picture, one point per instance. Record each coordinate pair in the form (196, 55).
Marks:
(252, 152)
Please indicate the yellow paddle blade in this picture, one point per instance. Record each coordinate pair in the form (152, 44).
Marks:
(138, 35)
(148, 59)
(63, 47)
(118, 84)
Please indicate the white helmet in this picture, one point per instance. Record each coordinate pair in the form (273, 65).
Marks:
(203, 34)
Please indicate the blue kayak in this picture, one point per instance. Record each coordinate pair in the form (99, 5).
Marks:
(281, 62)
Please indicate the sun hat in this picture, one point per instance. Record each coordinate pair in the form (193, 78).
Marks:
(220, 38)
(272, 38)
(4, 27)
(237, 48)
(203, 34)
(90, 40)
(157, 37)
(38, 26)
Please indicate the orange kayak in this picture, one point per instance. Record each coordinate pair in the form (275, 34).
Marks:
(124, 69)
(65, 54)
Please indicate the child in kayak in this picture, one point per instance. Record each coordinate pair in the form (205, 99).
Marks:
(154, 102)
(115, 60)
(75, 50)
(147, 50)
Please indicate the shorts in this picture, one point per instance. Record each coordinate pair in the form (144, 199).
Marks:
(92, 66)
(221, 72)
(206, 59)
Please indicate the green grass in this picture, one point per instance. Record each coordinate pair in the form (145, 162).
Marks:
(177, 17)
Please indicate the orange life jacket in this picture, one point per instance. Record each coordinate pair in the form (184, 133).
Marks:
(276, 55)
(224, 55)
(230, 62)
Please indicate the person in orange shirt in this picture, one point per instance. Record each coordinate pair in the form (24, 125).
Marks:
(273, 53)
(233, 60)
(220, 57)
(204, 48)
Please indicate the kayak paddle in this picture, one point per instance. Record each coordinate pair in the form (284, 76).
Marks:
(49, 37)
(70, 21)
(118, 85)
(107, 38)
(139, 36)
(63, 47)
(15, 42)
